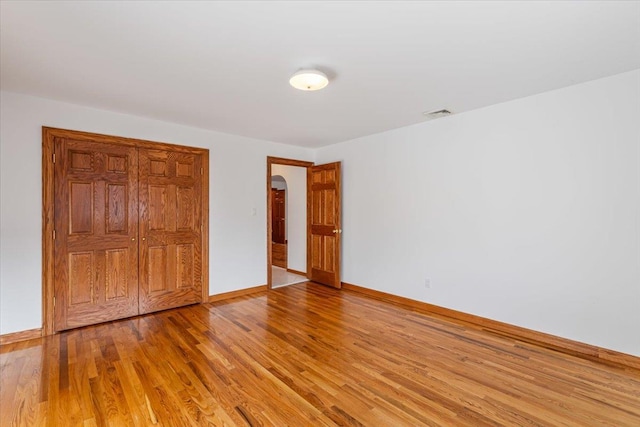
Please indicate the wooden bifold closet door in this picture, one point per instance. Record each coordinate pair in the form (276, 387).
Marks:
(128, 230)
(96, 226)
(170, 229)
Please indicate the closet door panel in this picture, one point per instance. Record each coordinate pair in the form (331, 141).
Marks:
(170, 229)
(96, 227)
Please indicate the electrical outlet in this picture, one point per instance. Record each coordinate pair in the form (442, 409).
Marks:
(427, 283)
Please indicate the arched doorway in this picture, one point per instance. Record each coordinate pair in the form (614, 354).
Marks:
(279, 221)
(288, 225)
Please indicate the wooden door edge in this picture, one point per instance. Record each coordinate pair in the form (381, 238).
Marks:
(205, 227)
(48, 198)
(338, 260)
(309, 215)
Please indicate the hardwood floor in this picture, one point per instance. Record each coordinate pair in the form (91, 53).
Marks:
(304, 355)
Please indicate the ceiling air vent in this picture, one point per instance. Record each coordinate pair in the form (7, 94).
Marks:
(438, 113)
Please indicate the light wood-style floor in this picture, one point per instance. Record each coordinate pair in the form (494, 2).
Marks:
(304, 355)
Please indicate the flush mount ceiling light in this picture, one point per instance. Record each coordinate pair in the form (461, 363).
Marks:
(309, 80)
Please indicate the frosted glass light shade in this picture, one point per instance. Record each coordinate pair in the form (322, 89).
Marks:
(309, 80)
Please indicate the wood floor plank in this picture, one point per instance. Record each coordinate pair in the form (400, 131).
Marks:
(304, 355)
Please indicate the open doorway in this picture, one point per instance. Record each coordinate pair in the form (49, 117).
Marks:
(279, 220)
(288, 224)
(287, 221)
(320, 232)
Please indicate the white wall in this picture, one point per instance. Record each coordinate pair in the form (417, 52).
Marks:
(278, 183)
(296, 214)
(527, 212)
(237, 173)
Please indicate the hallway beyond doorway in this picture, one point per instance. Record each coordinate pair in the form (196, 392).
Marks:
(282, 277)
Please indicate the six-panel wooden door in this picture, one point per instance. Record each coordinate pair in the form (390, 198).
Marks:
(128, 230)
(323, 206)
(278, 215)
(170, 229)
(96, 229)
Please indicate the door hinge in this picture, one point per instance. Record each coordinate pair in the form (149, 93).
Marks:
(54, 157)
(54, 234)
(54, 301)
(201, 171)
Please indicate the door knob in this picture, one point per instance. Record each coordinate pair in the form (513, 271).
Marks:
(133, 239)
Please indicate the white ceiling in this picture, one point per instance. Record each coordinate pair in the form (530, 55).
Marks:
(225, 65)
